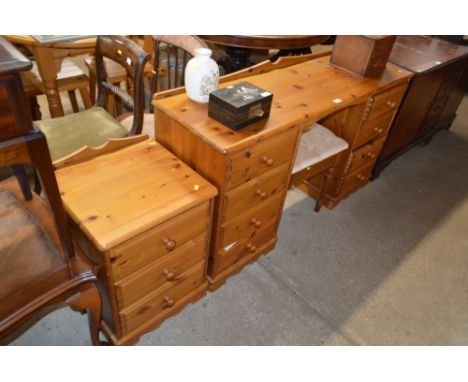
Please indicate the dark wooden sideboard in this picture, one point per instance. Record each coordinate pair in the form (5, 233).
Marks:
(433, 96)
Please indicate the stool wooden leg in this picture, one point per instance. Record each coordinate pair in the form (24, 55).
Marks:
(323, 191)
(86, 97)
(73, 101)
(89, 301)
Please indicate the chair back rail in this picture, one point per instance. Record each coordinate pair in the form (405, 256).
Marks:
(131, 57)
(173, 53)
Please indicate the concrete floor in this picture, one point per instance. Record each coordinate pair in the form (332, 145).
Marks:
(389, 266)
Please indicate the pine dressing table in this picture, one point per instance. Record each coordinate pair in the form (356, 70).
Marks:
(252, 167)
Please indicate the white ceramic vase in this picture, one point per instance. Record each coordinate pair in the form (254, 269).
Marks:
(201, 76)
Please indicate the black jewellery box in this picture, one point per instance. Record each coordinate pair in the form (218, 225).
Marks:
(239, 105)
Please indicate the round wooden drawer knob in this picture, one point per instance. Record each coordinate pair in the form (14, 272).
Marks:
(361, 177)
(168, 302)
(255, 222)
(261, 194)
(378, 130)
(370, 155)
(391, 104)
(268, 161)
(170, 276)
(169, 244)
(252, 248)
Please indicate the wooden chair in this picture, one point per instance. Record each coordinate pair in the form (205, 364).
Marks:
(171, 54)
(93, 127)
(70, 79)
(116, 74)
(38, 263)
(315, 162)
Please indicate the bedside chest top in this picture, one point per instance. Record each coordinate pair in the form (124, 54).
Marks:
(422, 53)
(302, 94)
(116, 196)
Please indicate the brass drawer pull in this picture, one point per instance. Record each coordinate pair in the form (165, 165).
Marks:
(268, 161)
(262, 194)
(255, 222)
(170, 276)
(252, 248)
(168, 302)
(391, 104)
(370, 156)
(360, 177)
(169, 244)
(379, 130)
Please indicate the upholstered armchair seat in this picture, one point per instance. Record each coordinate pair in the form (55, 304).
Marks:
(92, 127)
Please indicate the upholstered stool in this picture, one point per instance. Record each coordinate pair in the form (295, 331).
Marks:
(315, 161)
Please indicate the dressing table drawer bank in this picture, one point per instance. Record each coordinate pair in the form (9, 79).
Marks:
(144, 218)
(252, 167)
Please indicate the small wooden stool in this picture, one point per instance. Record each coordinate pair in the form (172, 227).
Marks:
(315, 161)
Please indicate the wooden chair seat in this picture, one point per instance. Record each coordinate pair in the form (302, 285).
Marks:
(92, 127)
(21, 235)
(33, 269)
(69, 79)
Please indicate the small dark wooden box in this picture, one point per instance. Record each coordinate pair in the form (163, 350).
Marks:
(239, 105)
(364, 55)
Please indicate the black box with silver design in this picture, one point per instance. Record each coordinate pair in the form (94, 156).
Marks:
(239, 105)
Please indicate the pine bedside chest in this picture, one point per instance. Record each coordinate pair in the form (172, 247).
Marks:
(144, 217)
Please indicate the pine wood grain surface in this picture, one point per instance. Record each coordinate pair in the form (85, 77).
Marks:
(315, 81)
(122, 194)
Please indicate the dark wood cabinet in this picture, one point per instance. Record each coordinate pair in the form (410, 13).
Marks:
(433, 96)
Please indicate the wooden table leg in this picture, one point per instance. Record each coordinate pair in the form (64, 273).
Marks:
(49, 67)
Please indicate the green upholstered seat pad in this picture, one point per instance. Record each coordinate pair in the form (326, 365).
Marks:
(92, 127)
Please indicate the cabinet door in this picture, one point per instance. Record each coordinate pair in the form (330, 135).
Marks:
(409, 121)
(456, 93)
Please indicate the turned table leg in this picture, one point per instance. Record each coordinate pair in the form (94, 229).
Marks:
(48, 67)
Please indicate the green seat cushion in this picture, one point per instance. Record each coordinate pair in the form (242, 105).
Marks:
(92, 127)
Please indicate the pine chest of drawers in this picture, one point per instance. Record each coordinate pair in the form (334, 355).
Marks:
(252, 167)
(144, 218)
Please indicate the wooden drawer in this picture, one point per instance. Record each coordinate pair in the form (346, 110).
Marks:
(356, 180)
(261, 158)
(384, 102)
(366, 154)
(245, 246)
(162, 300)
(371, 129)
(252, 221)
(256, 191)
(159, 241)
(163, 272)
